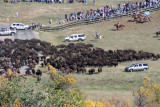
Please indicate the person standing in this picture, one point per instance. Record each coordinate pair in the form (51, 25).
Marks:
(59, 22)
(94, 1)
(50, 21)
(66, 17)
(16, 14)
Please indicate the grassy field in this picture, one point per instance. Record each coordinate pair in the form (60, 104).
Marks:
(112, 81)
(134, 36)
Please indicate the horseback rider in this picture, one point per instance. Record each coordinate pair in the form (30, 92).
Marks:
(146, 14)
(118, 24)
(97, 35)
(136, 15)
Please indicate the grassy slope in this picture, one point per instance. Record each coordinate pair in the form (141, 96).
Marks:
(135, 36)
(113, 81)
(41, 12)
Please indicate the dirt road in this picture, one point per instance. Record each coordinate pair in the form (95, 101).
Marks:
(21, 34)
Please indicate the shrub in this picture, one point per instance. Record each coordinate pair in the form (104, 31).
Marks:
(147, 93)
(17, 92)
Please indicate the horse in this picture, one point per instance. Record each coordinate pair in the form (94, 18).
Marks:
(157, 33)
(120, 26)
(139, 16)
(145, 18)
(97, 36)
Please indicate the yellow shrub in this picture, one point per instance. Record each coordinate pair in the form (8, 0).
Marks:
(89, 103)
(108, 104)
(99, 104)
(70, 80)
(149, 92)
(18, 103)
(127, 103)
(60, 79)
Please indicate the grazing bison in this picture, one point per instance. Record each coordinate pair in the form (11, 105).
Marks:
(99, 69)
(66, 58)
(91, 71)
(39, 73)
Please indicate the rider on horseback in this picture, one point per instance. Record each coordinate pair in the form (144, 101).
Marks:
(97, 35)
(136, 15)
(118, 24)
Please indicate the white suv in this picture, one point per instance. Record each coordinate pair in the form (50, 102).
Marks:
(76, 37)
(19, 26)
(6, 31)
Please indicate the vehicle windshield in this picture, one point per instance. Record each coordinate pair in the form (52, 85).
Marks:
(132, 65)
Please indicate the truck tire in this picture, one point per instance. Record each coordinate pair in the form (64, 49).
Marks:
(145, 69)
(131, 70)
(79, 39)
(12, 33)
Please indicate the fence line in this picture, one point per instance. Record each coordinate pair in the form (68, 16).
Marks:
(92, 21)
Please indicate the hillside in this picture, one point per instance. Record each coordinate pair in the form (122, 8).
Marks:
(41, 12)
(112, 81)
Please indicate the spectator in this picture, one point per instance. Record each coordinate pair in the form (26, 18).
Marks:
(16, 14)
(58, 20)
(59, 1)
(50, 21)
(66, 18)
(94, 1)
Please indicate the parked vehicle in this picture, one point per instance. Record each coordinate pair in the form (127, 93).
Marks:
(137, 67)
(19, 26)
(6, 31)
(76, 37)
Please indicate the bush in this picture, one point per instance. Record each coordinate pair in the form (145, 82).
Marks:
(148, 93)
(18, 92)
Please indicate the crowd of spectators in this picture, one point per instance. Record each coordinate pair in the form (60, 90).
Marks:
(108, 11)
(46, 1)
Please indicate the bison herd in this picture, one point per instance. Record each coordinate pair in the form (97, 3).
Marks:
(66, 58)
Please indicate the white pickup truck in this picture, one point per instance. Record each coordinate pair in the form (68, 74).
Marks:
(6, 31)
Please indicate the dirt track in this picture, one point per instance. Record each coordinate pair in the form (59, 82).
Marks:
(21, 34)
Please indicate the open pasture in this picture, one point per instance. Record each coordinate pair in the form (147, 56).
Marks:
(112, 81)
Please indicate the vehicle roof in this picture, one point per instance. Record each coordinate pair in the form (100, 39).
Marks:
(17, 23)
(78, 34)
(139, 63)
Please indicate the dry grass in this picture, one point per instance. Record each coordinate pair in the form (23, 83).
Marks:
(114, 80)
(111, 81)
(134, 36)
